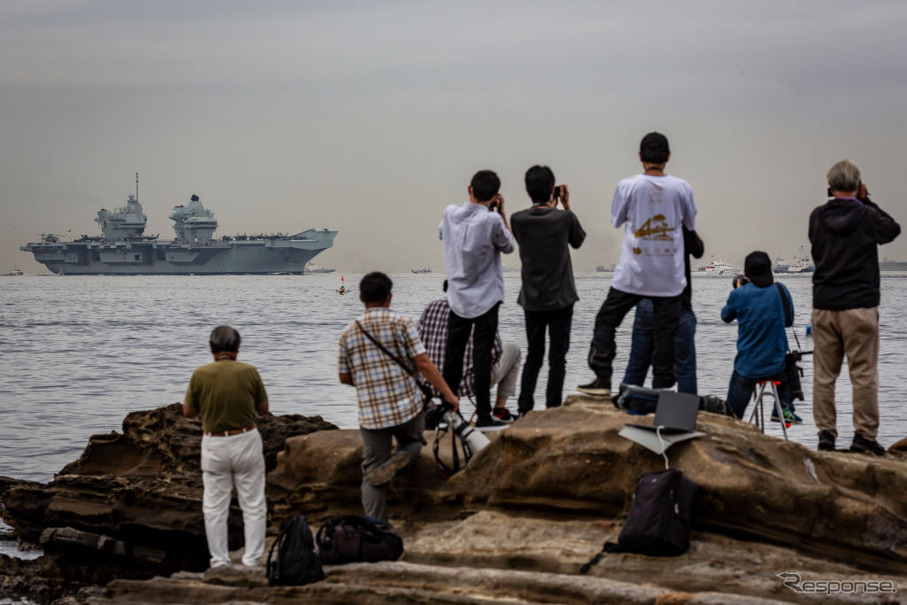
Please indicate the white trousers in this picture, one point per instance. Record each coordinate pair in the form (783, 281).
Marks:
(506, 370)
(237, 460)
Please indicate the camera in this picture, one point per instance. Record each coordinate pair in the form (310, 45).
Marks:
(558, 192)
(740, 280)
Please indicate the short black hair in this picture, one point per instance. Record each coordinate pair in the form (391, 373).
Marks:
(224, 338)
(654, 148)
(539, 183)
(375, 287)
(485, 185)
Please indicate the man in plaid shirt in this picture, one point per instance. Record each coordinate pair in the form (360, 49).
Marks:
(390, 402)
(505, 366)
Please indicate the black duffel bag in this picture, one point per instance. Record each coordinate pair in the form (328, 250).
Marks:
(353, 539)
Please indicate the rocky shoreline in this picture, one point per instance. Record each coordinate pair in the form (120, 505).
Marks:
(123, 523)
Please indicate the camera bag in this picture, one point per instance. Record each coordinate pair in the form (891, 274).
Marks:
(658, 523)
(296, 562)
(353, 539)
(636, 399)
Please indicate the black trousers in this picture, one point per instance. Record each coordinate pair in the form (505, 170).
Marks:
(484, 328)
(666, 312)
(557, 323)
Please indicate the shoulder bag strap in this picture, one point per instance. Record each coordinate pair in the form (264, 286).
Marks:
(787, 310)
(384, 349)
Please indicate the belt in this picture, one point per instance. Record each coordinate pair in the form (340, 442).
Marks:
(231, 432)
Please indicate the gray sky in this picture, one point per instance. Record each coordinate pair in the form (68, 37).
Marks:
(370, 117)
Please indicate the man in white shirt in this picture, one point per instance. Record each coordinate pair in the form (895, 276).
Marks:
(473, 236)
(654, 206)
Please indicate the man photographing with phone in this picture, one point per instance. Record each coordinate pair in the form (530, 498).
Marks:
(473, 236)
(548, 293)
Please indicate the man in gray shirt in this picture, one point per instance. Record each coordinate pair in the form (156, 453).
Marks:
(548, 292)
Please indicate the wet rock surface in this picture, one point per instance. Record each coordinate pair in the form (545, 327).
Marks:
(514, 527)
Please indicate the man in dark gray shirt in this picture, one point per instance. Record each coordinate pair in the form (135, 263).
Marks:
(548, 292)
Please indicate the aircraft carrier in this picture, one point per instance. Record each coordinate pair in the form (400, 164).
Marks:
(124, 249)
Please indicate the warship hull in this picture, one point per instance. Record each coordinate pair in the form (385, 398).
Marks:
(213, 257)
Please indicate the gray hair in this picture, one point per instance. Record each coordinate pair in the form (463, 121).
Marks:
(844, 176)
(224, 338)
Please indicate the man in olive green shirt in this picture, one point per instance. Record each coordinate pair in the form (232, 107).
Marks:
(228, 394)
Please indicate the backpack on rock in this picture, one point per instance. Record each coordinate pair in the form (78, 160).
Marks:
(297, 563)
(659, 520)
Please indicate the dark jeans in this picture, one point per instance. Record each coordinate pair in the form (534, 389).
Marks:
(740, 391)
(458, 329)
(644, 343)
(666, 317)
(558, 324)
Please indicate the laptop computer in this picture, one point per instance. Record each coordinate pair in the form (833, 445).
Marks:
(676, 413)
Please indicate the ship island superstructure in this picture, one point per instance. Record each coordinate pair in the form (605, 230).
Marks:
(124, 249)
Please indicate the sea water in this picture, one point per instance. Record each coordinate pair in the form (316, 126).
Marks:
(79, 353)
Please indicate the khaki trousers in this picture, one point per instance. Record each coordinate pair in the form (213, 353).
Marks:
(854, 333)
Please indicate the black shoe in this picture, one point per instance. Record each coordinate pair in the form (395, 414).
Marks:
(503, 414)
(598, 387)
(866, 446)
(491, 424)
(826, 442)
(380, 475)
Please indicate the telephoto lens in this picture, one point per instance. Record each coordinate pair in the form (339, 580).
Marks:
(740, 280)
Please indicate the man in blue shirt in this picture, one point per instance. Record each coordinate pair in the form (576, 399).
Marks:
(759, 308)
(473, 236)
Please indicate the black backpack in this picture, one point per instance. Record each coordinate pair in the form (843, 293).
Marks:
(658, 523)
(351, 539)
(297, 562)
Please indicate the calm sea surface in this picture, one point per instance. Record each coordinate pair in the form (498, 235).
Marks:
(79, 353)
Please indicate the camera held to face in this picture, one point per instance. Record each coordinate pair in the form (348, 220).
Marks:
(740, 280)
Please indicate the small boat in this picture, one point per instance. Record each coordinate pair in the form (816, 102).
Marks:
(15, 272)
(717, 267)
(425, 270)
(802, 263)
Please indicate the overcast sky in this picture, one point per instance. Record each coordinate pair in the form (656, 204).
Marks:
(370, 117)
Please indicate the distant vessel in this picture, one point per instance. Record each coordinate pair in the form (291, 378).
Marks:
(717, 267)
(123, 249)
(780, 266)
(802, 263)
(316, 269)
(15, 272)
(892, 265)
(603, 269)
(425, 270)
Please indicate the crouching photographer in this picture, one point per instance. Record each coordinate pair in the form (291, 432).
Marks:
(762, 309)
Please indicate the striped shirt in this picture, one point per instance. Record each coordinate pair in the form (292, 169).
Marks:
(387, 395)
(433, 331)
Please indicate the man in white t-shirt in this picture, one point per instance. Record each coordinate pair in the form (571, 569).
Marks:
(655, 206)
